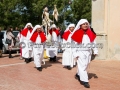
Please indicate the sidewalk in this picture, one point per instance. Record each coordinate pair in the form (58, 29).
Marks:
(15, 74)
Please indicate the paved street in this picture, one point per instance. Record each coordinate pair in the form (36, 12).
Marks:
(15, 74)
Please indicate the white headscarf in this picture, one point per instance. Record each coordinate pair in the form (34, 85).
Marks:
(81, 21)
(53, 26)
(70, 25)
(27, 25)
(34, 29)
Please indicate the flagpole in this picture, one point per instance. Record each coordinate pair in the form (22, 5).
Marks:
(64, 13)
(54, 13)
(53, 19)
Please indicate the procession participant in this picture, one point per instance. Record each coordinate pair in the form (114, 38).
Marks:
(67, 58)
(24, 40)
(53, 50)
(38, 39)
(82, 35)
(19, 36)
(10, 41)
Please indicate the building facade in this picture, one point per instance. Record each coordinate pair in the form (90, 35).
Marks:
(105, 22)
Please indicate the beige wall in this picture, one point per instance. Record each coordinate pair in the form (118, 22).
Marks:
(98, 13)
(105, 19)
(114, 27)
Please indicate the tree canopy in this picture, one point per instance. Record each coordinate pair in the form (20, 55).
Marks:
(17, 13)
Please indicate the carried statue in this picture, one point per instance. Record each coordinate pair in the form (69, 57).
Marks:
(46, 20)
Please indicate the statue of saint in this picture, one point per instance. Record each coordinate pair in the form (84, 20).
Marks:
(46, 20)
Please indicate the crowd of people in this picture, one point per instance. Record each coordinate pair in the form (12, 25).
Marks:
(35, 41)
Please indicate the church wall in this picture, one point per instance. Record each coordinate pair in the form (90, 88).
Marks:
(105, 21)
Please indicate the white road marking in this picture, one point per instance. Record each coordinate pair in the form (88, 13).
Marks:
(11, 64)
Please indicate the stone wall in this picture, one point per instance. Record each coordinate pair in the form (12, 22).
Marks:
(102, 47)
(105, 21)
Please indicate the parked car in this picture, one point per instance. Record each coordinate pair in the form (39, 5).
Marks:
(5, 46)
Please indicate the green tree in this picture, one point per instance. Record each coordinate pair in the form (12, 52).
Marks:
(20, 12)
(8, 14)
(81, 9)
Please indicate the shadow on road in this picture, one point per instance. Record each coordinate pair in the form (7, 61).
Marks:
(92, 75)
(47, 64)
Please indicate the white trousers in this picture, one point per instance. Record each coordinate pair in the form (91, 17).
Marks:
(83, 62)
(67, 58)
(38, 56)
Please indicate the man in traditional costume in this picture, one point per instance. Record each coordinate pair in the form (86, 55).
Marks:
(25, 41)
(38, 39)
(67, 58)
(53, 50)
(84, 40)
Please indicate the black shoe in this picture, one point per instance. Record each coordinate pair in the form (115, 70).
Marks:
(77, 77)
(69, 68)
(39, 68)
(27, 60)
(30, 59)
(10, 56)
(51, 59)
(86, 85)
(54, 59)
